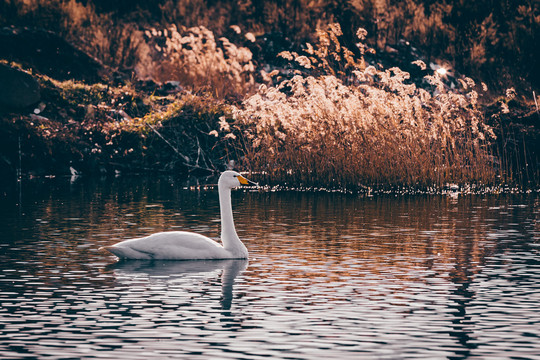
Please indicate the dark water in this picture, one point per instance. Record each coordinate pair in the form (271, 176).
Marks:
(329, 276)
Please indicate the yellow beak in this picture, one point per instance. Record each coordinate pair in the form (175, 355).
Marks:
(242, 180)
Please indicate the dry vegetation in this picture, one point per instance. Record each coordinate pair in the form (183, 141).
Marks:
(321, 116)
(195, 58)
(376, 130)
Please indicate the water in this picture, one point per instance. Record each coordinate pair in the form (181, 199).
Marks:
(329, 275)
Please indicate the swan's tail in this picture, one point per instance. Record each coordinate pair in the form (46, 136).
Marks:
(113, 250)
(108, 248)
(125, 252)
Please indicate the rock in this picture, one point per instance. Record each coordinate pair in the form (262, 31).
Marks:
(51, 55)
(90, 112)
(147, 85)
(38, 118)
(170, 87)
(17, 88)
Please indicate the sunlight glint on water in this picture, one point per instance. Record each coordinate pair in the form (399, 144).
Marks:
(329, 275)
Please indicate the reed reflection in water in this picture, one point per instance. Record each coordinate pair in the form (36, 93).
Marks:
(329, 275)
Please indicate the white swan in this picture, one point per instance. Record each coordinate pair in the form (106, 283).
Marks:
(183, 245)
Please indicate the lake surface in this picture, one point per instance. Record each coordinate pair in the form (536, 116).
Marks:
(329, 275)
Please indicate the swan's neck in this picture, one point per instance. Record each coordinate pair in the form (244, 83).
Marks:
(229, 238)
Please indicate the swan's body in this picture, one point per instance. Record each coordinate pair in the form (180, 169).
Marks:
(172, 245)
(183, 245)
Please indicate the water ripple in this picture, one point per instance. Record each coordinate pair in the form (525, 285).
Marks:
(330, 275)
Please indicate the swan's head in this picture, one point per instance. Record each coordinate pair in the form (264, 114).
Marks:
(231, 179)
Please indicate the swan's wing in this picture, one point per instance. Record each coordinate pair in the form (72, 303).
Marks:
(173, 245)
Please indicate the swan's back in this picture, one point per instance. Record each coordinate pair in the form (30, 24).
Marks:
(171, 245)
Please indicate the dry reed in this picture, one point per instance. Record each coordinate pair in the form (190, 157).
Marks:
(199, 61)
(378, 129)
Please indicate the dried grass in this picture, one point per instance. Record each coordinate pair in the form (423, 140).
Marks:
(376, 130)
(199, 61)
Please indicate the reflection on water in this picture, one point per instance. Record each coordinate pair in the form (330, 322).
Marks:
(182, 272)
(329, 275)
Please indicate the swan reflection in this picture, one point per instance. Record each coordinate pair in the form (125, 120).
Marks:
(183, 274)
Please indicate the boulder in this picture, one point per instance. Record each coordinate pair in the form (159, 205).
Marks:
(17, 88)
(50, 54)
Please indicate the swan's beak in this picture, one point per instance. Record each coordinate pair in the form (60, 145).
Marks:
(243, 180)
